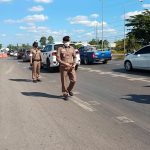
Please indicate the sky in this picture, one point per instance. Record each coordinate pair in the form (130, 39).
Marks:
(24, 21)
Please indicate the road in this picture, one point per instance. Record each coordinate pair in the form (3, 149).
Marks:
(110, 109)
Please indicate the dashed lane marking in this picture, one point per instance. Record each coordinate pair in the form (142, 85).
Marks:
(85, 105)
(124, 119)
(94, 103)
(115, 75)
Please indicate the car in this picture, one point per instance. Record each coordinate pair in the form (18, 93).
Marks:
(26, 56)
(138, 60)
(20, 53)
(49, 56)
(15, 53)
(91, 55)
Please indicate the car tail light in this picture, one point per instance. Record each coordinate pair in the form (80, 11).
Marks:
(93, 55)
(54, 53)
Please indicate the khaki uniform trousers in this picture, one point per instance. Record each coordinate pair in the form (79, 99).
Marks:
(36, 70)
(71, 74)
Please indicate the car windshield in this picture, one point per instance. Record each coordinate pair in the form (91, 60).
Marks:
(57, 46)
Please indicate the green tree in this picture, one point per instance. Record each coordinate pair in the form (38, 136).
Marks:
(50, 40)
(43, 41)
(93, 42)
(140, 27)
(119, 45)
(0, 46)
(132, 43)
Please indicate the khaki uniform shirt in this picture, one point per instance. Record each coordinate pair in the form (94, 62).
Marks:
(35, 53)
(66, 55)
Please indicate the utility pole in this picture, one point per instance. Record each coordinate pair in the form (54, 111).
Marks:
(124, 43)
(102, 26)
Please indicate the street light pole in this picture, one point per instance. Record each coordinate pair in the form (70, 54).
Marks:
(124, 43)
(102, 26)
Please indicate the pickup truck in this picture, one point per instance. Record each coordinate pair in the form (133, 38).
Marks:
(49, 57)
(90, 55)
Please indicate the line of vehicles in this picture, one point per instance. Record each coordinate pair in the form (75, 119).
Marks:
(90, 55)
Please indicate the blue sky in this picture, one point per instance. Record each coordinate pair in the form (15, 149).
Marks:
(23, 21)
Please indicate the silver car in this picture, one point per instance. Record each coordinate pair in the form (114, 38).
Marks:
(138, 60)
(26, 56)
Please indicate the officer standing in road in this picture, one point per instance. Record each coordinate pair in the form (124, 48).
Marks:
(66, 56)
(35, 62)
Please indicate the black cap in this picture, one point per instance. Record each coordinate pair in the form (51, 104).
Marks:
(66, 38)
(35, 44)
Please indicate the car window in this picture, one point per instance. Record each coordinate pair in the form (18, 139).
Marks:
(81, 49)
(144, 50)
(49, 48)
(56, 46)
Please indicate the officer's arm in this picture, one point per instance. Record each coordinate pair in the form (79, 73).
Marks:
(31, 56)
(40, 56)
(74, 58)
(58, 58)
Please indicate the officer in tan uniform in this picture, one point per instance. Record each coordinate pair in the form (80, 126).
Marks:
(66, 56)
(35, 62)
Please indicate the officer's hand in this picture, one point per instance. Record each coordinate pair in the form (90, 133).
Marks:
(68, 65)
(73, 66)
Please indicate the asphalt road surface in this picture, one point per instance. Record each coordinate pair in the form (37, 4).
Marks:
(110, 109)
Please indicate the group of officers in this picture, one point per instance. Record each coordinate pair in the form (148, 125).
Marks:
(66, 56)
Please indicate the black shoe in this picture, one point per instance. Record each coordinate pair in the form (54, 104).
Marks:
(34, 81)
(65, 97)
(39, 80)
(71, 93)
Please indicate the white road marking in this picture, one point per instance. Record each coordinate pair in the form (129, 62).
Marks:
(94, 103)
(9, 70)
(124, 119)
(115, 75)
(82, 104)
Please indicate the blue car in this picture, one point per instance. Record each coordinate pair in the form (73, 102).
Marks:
(90, 55)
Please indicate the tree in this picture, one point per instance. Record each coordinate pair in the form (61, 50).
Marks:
(0, 46)
(93, 42)
(140, 27)
(50, 40)
(43, 41)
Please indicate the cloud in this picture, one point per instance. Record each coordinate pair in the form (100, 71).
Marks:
(35, 18)
(44, 1)
(3, 35)
(28, 19)
(36, 8)
(79, 31)
(5, 1)
(84, 20)
(94, 16)
(129, 14)
(147, 6)
(35, 28)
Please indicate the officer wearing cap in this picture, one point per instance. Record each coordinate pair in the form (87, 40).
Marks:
(35, 62)
(66, 56)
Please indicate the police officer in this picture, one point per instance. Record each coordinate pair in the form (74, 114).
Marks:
(66, 56)
(35, 62)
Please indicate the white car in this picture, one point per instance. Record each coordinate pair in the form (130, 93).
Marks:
(49, 56)
(138, 60)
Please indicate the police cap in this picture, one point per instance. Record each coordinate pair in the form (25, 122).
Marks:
(66, 38)
(35, 44)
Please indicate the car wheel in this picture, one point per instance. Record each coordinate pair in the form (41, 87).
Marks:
(50, 69)
(85, 61)
(105, 62)
(128, 66)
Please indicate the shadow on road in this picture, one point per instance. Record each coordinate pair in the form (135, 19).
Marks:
(40, 94)
(138, 98)
(146, 86)
(21, 80)
(133, 72)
